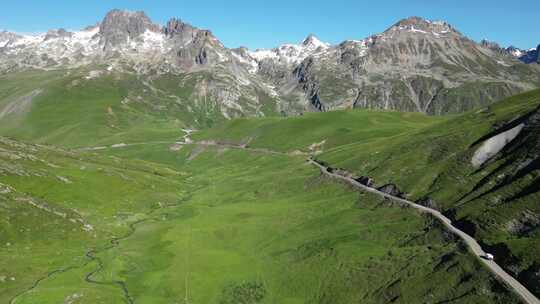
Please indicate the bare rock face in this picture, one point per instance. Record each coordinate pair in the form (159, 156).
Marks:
(180, 31)
(119, 27)
(309, 84)
(393, 190)
(60, 33)
(428, 202)
(194, 47)
(202, 50)
(366, 181)
(421, 24)
(7, 37)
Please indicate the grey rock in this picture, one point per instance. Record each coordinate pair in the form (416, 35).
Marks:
(393, 190)
(428, 202)
(181, 32)
(120, 26)
(309, 83)
(531, 56)
(416, 65)
(366, 181)
(60, 33)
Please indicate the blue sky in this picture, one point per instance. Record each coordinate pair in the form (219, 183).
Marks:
(267, 23)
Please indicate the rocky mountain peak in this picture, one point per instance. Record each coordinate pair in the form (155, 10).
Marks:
(526, 56)
(177, 27)
(490, 44)
(421, 25)
(184, 33)
(118, 26)
(59, 33)
(413, 20)
(312, 41)
(6, 37)
(494, 46)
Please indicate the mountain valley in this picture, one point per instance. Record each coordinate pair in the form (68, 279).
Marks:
(147, 163)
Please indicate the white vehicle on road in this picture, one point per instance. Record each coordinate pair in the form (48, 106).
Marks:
(489, 256)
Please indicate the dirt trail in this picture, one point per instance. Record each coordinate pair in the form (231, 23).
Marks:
(473, 245)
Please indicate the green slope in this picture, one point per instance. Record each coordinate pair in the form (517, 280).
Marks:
(75, 108)
(330, 129)
(230, 227)
(497, 203)
(207, 224)
(430, 158)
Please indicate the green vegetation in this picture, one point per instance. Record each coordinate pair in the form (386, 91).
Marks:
(231, 227)
(73, 111)
(490, 202)
(335, 128)
(215, 224)
(76, 108)
(496, 203)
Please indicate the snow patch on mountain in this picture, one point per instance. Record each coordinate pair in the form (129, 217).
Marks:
(291, 54)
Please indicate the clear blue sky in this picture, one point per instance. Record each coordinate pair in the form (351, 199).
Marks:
(267, 23)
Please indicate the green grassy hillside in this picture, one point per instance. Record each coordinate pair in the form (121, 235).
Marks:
(325, 130)
(155, 223)
(496, 203)
(79, 108)
(230, 227)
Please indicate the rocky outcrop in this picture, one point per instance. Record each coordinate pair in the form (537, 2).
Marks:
(495, 46)
(366, 181)
(179, 30)
(55, 34)
(428, 202)
(393, 190)
(309, 83)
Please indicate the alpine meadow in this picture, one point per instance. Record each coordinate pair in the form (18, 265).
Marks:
(150, 163)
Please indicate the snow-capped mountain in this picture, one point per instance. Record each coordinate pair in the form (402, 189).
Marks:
(530, 55)
(119, 37)
(415, 65)
(292, 53)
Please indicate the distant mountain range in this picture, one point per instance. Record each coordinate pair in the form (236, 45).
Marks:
(415, 65)
(526, 56)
